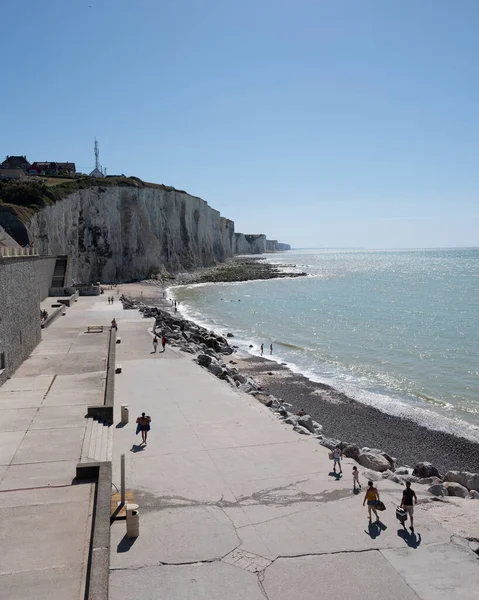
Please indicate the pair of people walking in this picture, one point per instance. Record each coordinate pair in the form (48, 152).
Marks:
(111, 299)
(156, 342)
(409, 499)
(270, 349)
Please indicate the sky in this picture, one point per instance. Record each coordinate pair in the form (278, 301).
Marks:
(322, 123)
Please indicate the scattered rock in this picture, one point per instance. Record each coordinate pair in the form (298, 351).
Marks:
(302, 430)
(425, 469)
(269, 373)
(330, 443)
(264, 399)
(204, 360)
(307, 422)
(229, 335)
(240, 378)
(438, 489)
(215, 369)
(376, 462)
(292, 420)
(456, 489)
(430, 480)
(351, 451)
(466, 479)
(474, 495)
(403, 471)
(371, 475)
(474, 546)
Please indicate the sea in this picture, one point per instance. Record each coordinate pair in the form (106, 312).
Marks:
(394, 329)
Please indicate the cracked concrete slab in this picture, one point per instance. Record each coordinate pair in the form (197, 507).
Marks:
(215, 581)
(354, 576)
(15, 399)
(437, 571)
(38, 475)
(175, 536)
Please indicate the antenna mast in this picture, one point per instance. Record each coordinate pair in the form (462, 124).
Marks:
(97, 156)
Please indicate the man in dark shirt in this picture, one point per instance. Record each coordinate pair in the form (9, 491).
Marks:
(409, 498)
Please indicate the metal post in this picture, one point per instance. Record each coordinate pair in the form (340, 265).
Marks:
(123, 480)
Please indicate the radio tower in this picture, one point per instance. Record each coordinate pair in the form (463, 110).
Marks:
(97, 156)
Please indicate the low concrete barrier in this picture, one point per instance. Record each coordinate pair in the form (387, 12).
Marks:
(56, 312)
(104, 411)
(98, 569)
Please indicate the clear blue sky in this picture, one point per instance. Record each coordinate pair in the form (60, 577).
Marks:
(318, 122)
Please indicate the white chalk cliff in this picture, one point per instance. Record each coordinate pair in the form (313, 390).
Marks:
(115, 233)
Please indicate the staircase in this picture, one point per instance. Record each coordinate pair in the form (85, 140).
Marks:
(98, 442)
(58, 280)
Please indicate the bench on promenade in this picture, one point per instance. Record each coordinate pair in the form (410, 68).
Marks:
(94, 329)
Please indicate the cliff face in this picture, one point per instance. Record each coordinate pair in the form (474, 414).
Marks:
(249, 244)
(121, 233)
(129, 230)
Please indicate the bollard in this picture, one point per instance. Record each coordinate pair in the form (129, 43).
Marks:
(132, 521)
(125, 414)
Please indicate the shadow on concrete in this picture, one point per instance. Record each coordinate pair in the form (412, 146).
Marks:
(135, 448)
(411, 539)
(125, 544)
(337, 475)
(120, 425)
(375, 528)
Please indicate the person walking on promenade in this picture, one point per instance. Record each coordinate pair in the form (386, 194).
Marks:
(372, 498)
(163, 342)
(271, 348)
(262, 349)
(114, 324)
(356, 484)
(337, 456)
(143, 425)
(409, 499)
(155, 344)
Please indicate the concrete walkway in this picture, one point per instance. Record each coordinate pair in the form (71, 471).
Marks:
(45, 520)
(235, 505)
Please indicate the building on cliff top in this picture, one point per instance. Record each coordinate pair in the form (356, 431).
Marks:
(16, 162)
(52, 168)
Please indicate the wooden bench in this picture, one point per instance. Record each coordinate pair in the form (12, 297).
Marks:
(95, 329)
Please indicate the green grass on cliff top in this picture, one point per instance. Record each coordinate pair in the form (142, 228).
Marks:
(26, 197)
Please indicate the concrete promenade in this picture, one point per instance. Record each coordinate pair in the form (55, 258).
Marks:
(235, 505)
(46, 519)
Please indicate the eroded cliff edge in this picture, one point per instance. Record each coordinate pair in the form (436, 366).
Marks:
(126, 232)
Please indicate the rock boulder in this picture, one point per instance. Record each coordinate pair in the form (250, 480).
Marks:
(456, 489)
(376, 462)
(204, 360)
(351, 451)
(466, 479)
(307, 422)
(438, 489)
(425, 469)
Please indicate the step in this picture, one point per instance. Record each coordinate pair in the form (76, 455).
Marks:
(104, 442)
(99, 435)
(86, 440)
(109, 444)
(93, 439)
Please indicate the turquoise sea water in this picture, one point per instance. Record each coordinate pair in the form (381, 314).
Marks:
(395, 329)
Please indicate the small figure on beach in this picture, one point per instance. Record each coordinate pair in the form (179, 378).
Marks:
(301, 412)
(114, 324)
(356, 484)
(262, 349)
(109, 299)
(112, 299)
(143, 425)
(337, 456)
(271, 348)
(409, 499)
(176, 309)
(155, 344)
(163, 342)
(372, 498)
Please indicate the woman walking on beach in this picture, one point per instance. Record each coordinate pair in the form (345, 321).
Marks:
(155, 344)
(372, 498)
(143, 425)
(163, 342)
(337, 456)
